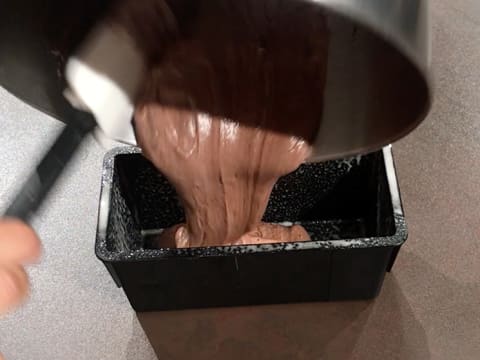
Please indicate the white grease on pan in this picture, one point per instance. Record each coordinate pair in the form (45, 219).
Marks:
(350, 162)
(285, 223)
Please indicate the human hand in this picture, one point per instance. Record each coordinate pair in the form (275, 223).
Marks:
(19, 245)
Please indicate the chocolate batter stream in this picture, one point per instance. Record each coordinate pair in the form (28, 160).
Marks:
(224, 173)
(228, 107)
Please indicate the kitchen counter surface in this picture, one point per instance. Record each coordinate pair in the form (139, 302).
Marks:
(429, 307)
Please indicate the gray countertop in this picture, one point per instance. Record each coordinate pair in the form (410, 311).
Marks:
(429, 307)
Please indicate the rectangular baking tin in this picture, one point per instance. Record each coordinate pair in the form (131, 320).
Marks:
(351, 207)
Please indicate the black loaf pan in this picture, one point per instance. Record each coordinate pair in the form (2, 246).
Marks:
(351, 208)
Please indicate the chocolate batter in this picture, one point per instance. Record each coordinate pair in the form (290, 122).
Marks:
(223, 172)
(229, 106)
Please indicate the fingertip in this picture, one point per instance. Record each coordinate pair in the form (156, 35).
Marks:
(33, 247)
(18, 242)
(13, 287)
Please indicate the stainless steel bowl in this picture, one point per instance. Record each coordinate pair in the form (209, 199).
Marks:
(377, 87)
(378, 80)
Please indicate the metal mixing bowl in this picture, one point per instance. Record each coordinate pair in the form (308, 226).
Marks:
(377, 87)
